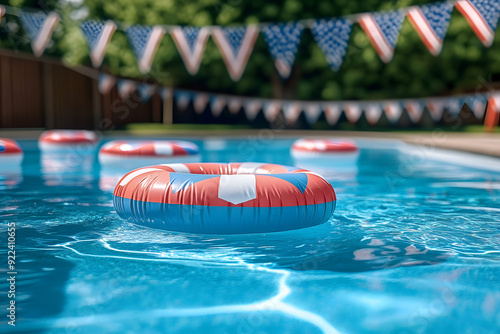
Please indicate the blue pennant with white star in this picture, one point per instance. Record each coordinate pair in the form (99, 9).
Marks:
(98, 35)
(283, 40)
(482, 16)
(332, 37)
(190, 42)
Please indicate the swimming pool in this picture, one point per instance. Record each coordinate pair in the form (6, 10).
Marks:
(413, 247)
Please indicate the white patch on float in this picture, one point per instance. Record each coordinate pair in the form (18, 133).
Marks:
(163, 148)
(237, 189)
(130, 176)
(178, 168)
(249, 167)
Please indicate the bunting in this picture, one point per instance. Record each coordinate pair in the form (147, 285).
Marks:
(39, 27)
(393, 111)
(252, 108)
(477, 104)
(415, 109)
(436, 108)
(482, 16)
(146, 91)
(2, 12)
(200, 102)
(234, 105)
(283, 40)
(98, 35)
(454, 106)
(373, 112)
(217, 104)
(182, 99)
(272, 110)
(431, 23)
(235, 45)
(383, 31)
(190, 42)
(106, 83)
(126, 88)
(332, 37)
(145, 41)
(332, 113)
(312, 111)
(352, 111)
(292, 111)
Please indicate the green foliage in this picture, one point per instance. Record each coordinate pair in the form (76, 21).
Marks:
(464, 64)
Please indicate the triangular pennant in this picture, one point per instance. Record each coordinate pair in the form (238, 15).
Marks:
(383, 30)
(431, 23)
(252, 108)
(200, 102)
(493, 112)
(2, 12)
(353, 112)
(482, 16)
(272, 110)
(182, 99)
(283, 40)
(332, 113)
(217, 104)
(106, 82)
(393, 111)
(477, 104)
(146, 91)
(313, 112)
(373, 111)
(234, 105)
(436, 108)
(332, 37)
(145, 41)
(190, 42)
(236, 45)
(125, 88)
(98, 35)
(39, 27)
(292, 111)
(415, 109)
(454, 106)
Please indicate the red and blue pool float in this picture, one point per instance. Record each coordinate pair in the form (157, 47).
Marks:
(10, 152)
(216, 198)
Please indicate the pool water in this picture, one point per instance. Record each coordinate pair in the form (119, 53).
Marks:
(413, 247)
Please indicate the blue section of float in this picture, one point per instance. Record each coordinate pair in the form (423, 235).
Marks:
(222, 219)
(179, 181)
(299, 180)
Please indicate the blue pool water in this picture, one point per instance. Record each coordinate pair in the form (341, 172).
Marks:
(413, 247)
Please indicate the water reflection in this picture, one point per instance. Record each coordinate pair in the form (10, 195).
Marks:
(67, 169)
(10, 176)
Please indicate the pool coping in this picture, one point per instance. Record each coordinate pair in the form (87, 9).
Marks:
(481, 143)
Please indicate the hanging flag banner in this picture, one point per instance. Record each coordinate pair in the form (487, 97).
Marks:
(2, 12)
(431, 23)
(272, 110)
(182, 99)
(492, 113)
(145, 41)
(283, 40)
(126, 88)
(190, 42)
(332, 113)
(98, 35)
(292, 111)
(373, 112)
(352, 111)
(313, 112)
(454, 106)
(252, 108)
(200, 102)
(234, 105)
(436, 108)
(146, 91)
(393, 111)
(332, 37)
(106, 83)
(383, 31)
(217, 104)
(39, 27)
(415, 110)
(482, 16)
(477, 104)
(235, 45)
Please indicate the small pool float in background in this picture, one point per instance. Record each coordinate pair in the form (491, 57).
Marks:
(11, 153)
(75, 141)
(214, 198)
(340, 150)
(147, 152)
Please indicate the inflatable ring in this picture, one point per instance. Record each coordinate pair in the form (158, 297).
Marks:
(10, 152)
(233, 198)
(148, 152)
(67, 140)
(308, 148)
